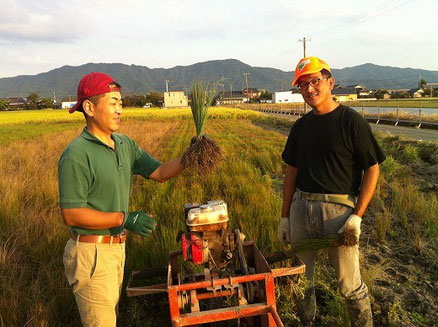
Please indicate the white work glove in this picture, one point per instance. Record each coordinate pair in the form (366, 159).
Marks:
(283, 233)
(353, 223)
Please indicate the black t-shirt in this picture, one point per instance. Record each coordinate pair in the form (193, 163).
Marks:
(331, 151)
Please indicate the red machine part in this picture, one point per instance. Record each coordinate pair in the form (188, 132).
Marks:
(185, 243)
(192, 248)
(196, 242)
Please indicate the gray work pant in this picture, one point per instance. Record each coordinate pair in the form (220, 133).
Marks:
(313, 219)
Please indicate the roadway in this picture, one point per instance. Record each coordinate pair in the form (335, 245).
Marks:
(408, 132)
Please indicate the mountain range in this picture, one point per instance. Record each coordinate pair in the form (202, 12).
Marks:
(229, 73)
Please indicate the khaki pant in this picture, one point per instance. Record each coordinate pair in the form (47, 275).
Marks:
(96, 273)
(313, 219)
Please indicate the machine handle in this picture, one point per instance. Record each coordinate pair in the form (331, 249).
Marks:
(276, 317)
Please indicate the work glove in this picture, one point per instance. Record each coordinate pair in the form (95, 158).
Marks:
(353, 224)
(139, 223)
(283, 232)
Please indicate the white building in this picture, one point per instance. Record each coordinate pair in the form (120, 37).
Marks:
(287, 97)
(175, 99)
(68, 102)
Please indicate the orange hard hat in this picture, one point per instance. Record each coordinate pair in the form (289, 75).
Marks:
(309, 65)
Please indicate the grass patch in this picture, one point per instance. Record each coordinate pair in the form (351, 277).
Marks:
(12, 133)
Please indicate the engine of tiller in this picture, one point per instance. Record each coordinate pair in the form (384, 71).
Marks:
(207, 240)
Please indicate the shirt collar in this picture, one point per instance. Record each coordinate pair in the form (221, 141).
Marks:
(90, 137)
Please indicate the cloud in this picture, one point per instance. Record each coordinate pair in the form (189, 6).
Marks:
(25, 21)
(38, 35)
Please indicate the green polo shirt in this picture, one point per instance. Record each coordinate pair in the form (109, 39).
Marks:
(93, 175)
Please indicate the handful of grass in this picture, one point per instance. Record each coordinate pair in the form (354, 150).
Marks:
(204, 154)
(347, 238)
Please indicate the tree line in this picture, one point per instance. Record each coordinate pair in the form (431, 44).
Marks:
(34, 102)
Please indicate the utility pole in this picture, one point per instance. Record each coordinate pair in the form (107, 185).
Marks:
(222, 83)
(246, 80)
(223, 91)
(304, 52)
(167, 85)
(304, 40)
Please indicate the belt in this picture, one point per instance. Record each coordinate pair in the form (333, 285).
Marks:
(345, 199)
(99, 238)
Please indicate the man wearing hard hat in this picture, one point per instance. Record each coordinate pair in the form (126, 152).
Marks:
(332, 166)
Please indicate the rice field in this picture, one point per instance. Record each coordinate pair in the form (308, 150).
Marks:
(34, 291)
(49, 116)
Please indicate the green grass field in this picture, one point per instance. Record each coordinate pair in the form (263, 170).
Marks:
(394, 103)
(402, 215)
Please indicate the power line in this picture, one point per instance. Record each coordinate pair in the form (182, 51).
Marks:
(363, 17)
(358, 19)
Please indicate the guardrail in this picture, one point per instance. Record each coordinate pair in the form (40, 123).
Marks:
(410, 112)
(378, 114)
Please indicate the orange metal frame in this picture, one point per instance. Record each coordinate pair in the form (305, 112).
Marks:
(205, 289)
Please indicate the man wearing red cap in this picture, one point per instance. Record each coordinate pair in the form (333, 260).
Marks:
(332, 166)
(95, 179)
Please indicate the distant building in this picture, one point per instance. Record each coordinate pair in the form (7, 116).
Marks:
(68, 102)
(429, 88)
(347, 94)
(395, 91)
(361, 90)
(416, 92)
(430, 85)
(364, 93)
(252, 93)
(17, 103)
(287, 97)
(175, 99)
(232, 97)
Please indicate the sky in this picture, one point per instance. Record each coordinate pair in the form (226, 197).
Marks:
(38, 36)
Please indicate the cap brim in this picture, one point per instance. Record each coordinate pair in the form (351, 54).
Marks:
(75, 107)
(295, 80)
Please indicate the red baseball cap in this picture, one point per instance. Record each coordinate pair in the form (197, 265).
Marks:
(94, 84)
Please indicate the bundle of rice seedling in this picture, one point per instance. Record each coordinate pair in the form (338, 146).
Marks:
(204, 154)
(347, 238)
(313, 244)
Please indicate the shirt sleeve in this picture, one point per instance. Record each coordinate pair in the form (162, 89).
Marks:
(289, 154)
(144, 164)
(74, 181)
(367, 150)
